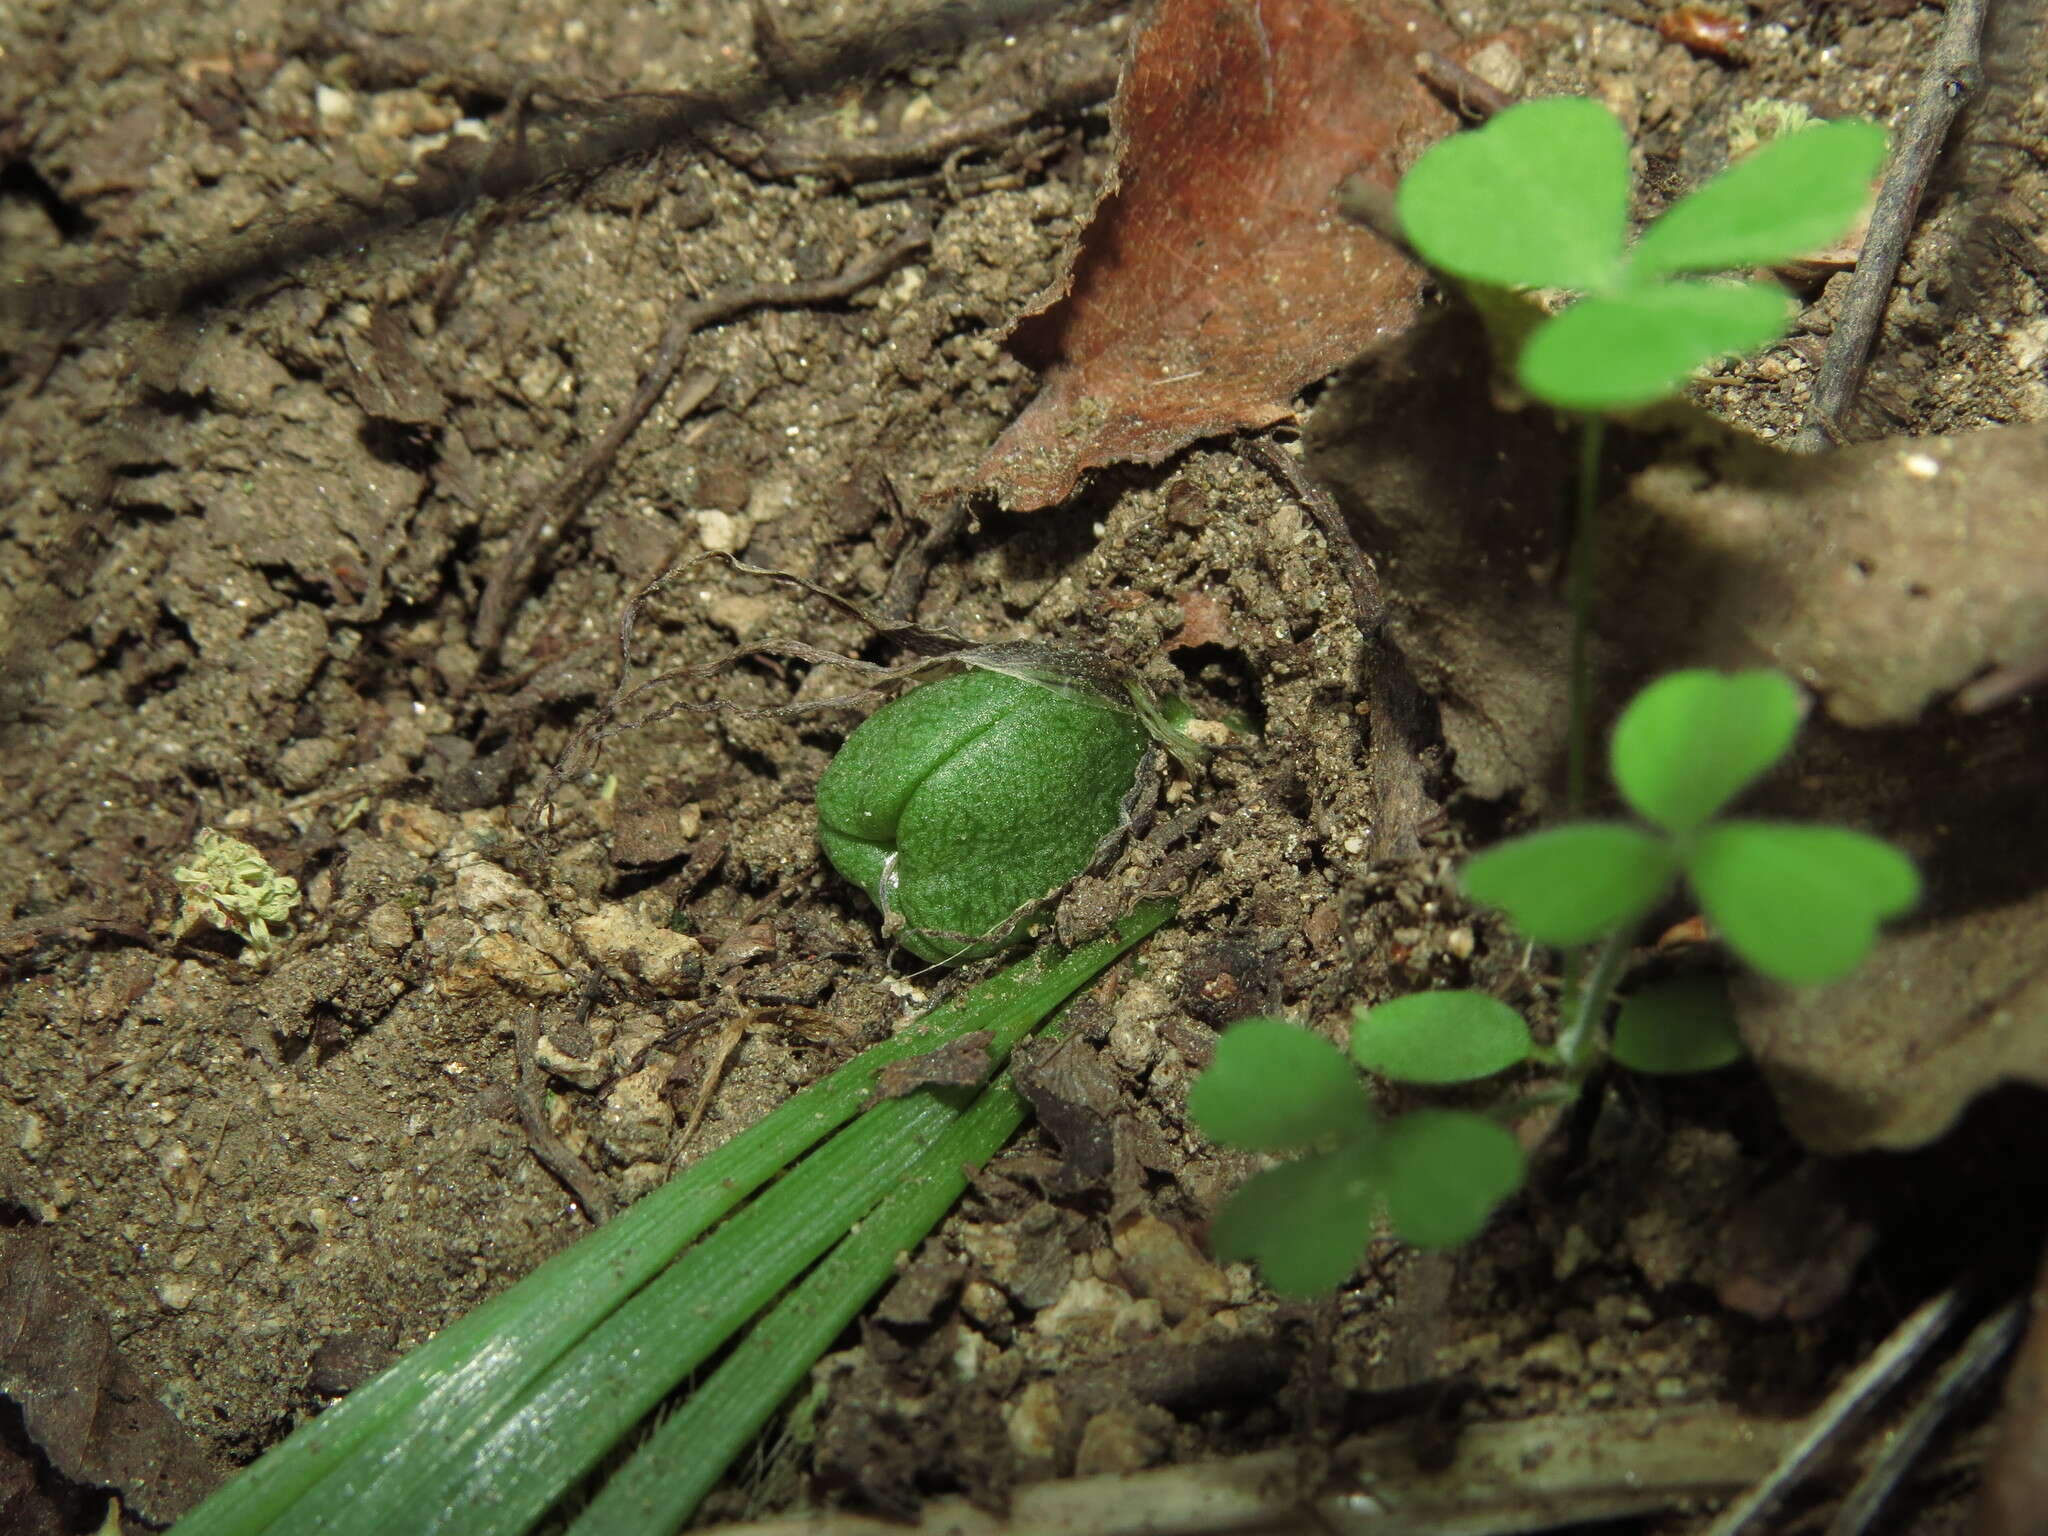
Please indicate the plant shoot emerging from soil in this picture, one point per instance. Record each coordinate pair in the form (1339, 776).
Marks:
(1798, 903)
(1539, 199)
(230, 886)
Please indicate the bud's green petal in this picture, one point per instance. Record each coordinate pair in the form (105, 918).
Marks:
(988, 791)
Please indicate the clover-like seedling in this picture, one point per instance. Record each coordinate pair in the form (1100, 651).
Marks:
(1799, 903)
(962, 805)
(1538, 198)
(1435, 1175)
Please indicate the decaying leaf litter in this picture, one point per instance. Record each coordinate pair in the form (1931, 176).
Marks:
(240, 1172)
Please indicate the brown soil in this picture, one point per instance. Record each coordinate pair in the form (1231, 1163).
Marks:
(254, 486)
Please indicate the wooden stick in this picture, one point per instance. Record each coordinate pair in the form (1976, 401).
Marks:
(1952, 79)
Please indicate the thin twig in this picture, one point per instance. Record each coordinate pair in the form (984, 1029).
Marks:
(1951, 80)
(2014, 1481)
(552, 514)
(1368, 607)
(1958, 1382)
(2002, 685)
(1370, 204)
(877, 157)
(549, 1149)
(1464, 92)
(914, 563)
(1587, 546)
(1845, 1407)
(555, 511)
(1024, 156)
(728, 1041)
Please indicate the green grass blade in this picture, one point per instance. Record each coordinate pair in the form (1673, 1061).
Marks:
(661, 1485)
(488, 1358)
(502, 1476)
(497, 1471)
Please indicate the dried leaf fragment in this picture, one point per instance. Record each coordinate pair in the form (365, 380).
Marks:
(1216, 277)
(960, 1063)
(82, 1405)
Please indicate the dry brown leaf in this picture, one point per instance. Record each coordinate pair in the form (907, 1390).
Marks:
(1216, 277)
(1884, 576)
(82, 1405)
(960, 1063)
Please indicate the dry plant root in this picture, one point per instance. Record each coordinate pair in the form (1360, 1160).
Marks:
(566, 498)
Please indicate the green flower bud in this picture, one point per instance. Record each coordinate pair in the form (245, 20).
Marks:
(968, 800)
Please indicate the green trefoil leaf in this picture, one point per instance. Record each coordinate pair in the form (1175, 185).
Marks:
(1439, 1037)
(1275, 1087)
(1799, 903)
(1538, 198)
(1792, 197)
(1679, 1026)
(1445, 1173)
(1575, 883)
(1619, 350)
(1692, 741)
(1306, 1223)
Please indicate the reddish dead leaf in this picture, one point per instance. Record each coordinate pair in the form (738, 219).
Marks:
(1693, 930)
(1790, 1250)
(1205, 620)
(1216, 277)
(1705, 29)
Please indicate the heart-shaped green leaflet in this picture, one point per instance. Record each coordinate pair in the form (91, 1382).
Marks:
(973, 797)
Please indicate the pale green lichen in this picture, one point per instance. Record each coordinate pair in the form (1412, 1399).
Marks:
(1757, 123)
(232, 887)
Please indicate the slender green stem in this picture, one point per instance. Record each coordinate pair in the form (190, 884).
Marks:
(1511, 1110)
(1579, 586)
(1578, 1043)
(1579, 589)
